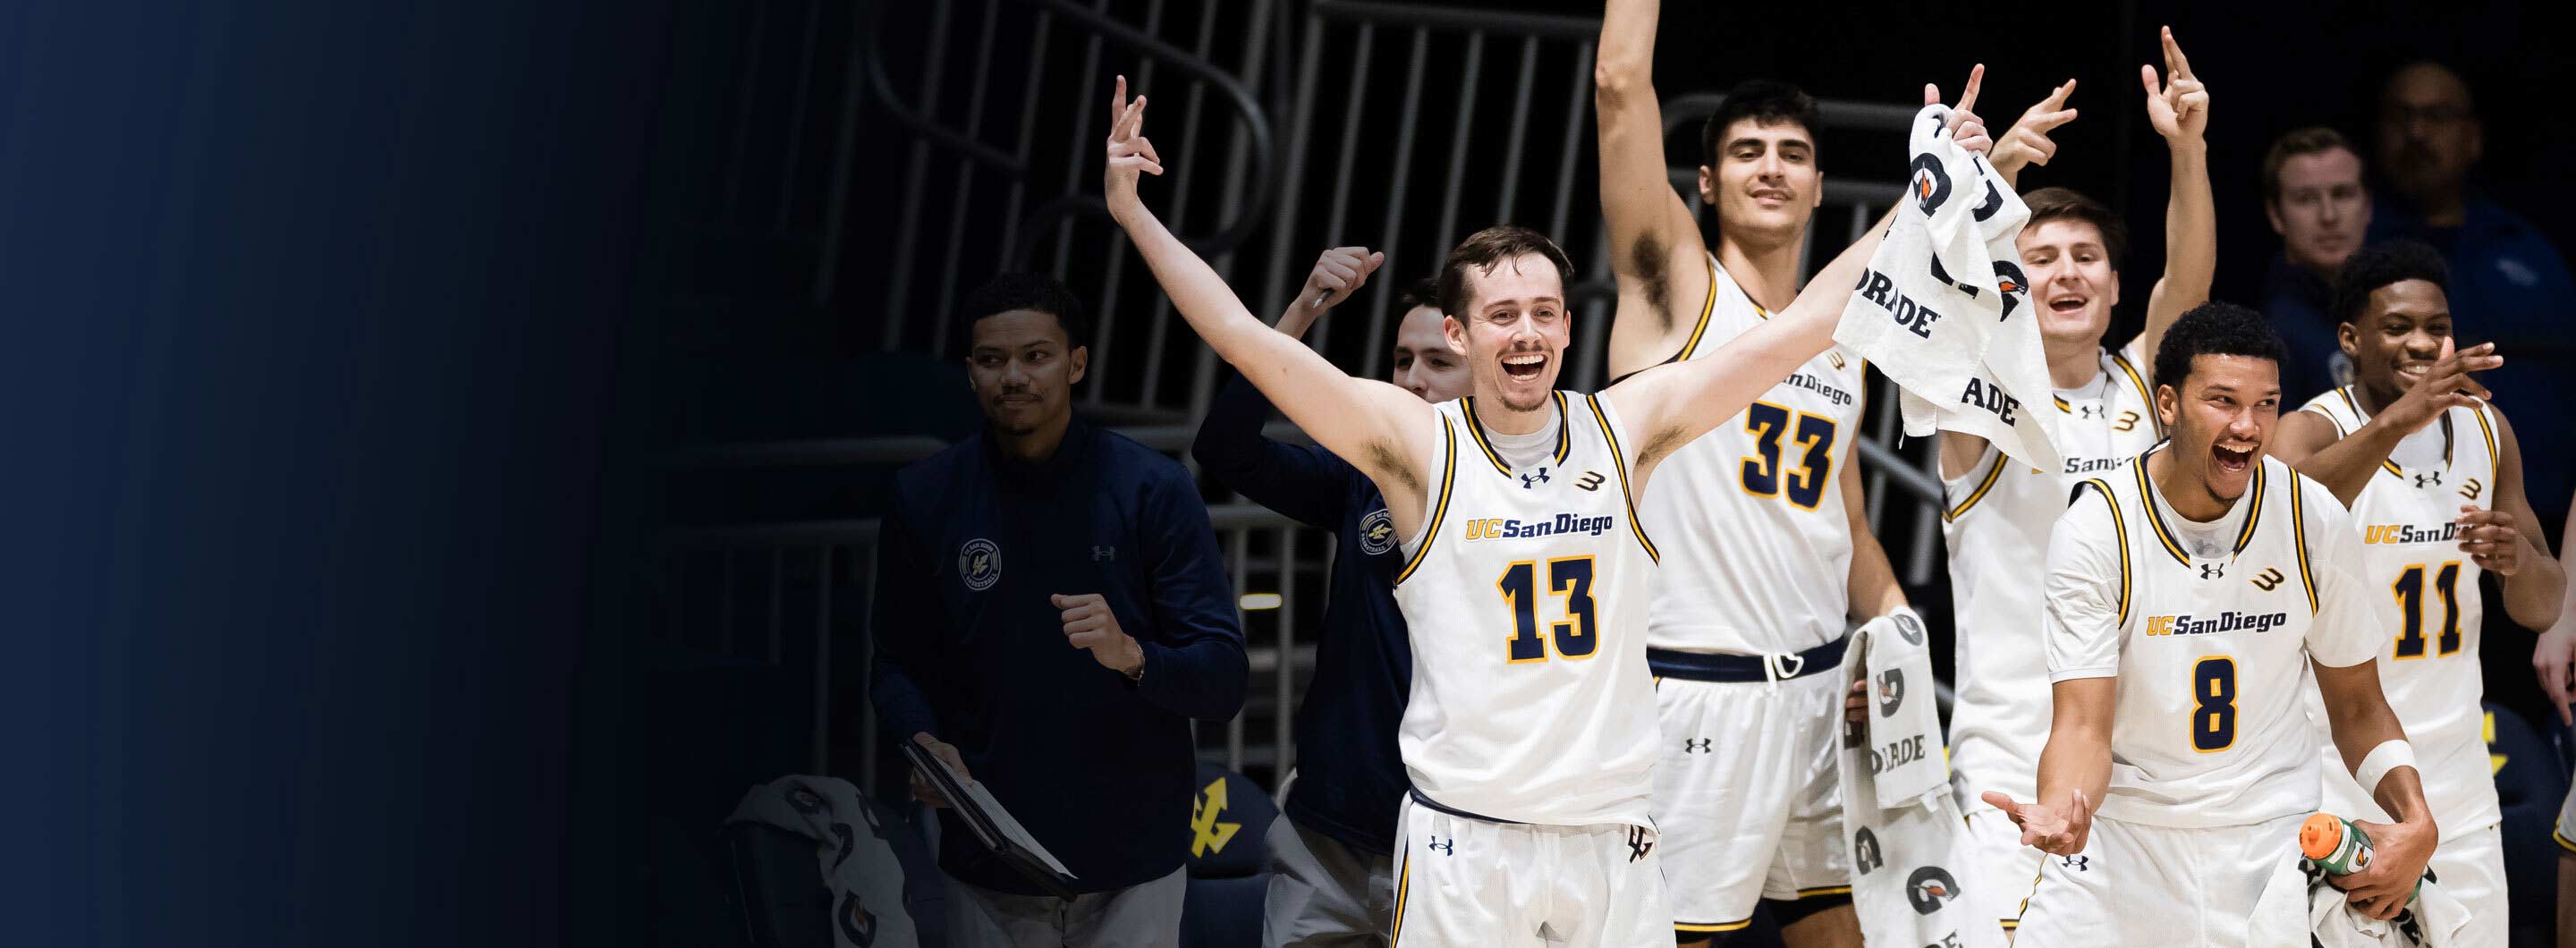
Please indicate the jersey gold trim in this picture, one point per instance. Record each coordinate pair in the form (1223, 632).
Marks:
(1439, 509)
(1706, 307)
(1619, 463)
(1403, 882)
(2156, 519)
(1993, 474)
(2144, 393)
(2119, 525)
(1719, 927)
(2299, 537)
(1476, 430)
(2494, 461)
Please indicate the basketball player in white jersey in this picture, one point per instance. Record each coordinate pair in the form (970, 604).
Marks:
(1769, 553)
(2000, 511)
(1530, 732)
(2434, 480)
(2185, 593)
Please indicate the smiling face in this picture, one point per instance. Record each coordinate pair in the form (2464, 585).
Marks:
(1764, 184)
(1023, 369)
(1512, 329)
(2396, 337)
(2072, 281)
(2220, 417)
(2322, 210)
(1424, 363)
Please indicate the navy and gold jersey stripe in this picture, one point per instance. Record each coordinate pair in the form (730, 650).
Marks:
(1993, 474)
(2119, 525)
(1619, 463)
(2062, 404)
(2144, 393)
(2345, 393)
(2562, 839)
(1440, 507)
(1718, 927)
(2155, 519)
(1476, 430)
(1827, 890)
(2254, 494)
(1403, 882)
(1706, 307)
(2495, 461)
(2299, 537)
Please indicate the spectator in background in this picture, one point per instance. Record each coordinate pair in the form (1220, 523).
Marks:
(2314, 196)
(1051, 613)
(2505, 276)
(1334, 881)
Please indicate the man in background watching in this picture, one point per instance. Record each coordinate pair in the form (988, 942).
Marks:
(2314, 196)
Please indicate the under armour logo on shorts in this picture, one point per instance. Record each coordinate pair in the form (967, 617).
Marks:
(1638, 844)
(1449, 848)
(1699, 746)
(2213, 570)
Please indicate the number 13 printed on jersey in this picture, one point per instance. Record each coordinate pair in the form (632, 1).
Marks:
(1570, 578)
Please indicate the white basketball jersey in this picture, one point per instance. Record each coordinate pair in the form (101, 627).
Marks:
(2208, 728)
(1526, 594)
(2427, 600)
(1752, 512)
(1997, 529)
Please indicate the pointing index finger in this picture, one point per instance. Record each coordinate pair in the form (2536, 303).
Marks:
(2175, 62)
(1976, 80)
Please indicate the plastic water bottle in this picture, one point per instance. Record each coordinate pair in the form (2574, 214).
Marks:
(2338, 846)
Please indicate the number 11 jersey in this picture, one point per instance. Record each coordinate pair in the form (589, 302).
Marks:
(1526, 594)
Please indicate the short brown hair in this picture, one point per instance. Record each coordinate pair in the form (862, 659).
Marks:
(1488, 248)
(2312, 140)
(2049, 204)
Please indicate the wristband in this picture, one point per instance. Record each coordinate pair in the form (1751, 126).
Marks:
(2389, 755)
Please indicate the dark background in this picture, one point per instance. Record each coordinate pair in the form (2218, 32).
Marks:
(344, 340)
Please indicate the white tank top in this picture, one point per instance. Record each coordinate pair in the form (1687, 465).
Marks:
(2208, 727)
(1997, 527)
(1526, 594)
(1752, 513)
(2427, 599)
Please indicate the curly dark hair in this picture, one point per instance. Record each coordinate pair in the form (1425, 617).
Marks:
(1033, 291)
(1766, 102)
(1488, 248)
(2214, 328)
(2378, 265)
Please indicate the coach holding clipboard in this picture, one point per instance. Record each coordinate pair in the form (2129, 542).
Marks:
(1052, 611)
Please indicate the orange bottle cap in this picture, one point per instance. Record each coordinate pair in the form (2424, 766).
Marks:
(2319, 836)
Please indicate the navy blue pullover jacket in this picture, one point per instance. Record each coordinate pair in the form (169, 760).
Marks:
(1350, 773)
(971, 650)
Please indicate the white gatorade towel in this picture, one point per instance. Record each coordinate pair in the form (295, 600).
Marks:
(1898, 817)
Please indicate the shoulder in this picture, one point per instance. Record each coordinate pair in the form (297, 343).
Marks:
(2093, 509)
(2315, 507)
(1129, 460)
(930, 481)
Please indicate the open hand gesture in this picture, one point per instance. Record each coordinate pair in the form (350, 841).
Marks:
(1129, 152)
(2055, 830)
(2027, 143)
(2445, 385)
(2180, 109)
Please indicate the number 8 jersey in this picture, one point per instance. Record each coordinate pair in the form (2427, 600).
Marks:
(2210, 639)
(1526, 595)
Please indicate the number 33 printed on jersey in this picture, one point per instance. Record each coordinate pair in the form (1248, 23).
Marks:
(1813, 442)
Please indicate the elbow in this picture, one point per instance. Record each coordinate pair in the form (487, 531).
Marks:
(1617, 75)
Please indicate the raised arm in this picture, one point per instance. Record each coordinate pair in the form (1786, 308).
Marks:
(1383, 430)
(2180, 112)
(1655, 247)
(1304, 482)
(2345, 462)
(1668, 406)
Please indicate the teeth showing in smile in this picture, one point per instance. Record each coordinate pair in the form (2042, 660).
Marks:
(1529, 359)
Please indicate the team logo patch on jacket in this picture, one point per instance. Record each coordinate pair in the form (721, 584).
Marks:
(979, 563)
(1377, 532)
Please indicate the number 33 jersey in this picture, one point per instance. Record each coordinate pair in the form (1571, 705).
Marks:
(1526, 596)
(2209, 637)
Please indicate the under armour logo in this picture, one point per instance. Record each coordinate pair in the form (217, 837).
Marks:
(2271, 578)
(1100, 554)
(1446, 848)
(2076, 863)
(2088, 412)
(1591, 480)
(1700, 746)
(2213, 570)
(1532, 480)
(2433, 478)
(1638, 844)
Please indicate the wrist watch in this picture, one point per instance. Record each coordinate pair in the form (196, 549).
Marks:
(1137, 674)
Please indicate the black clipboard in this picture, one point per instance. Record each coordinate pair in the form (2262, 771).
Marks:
(988, 831)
